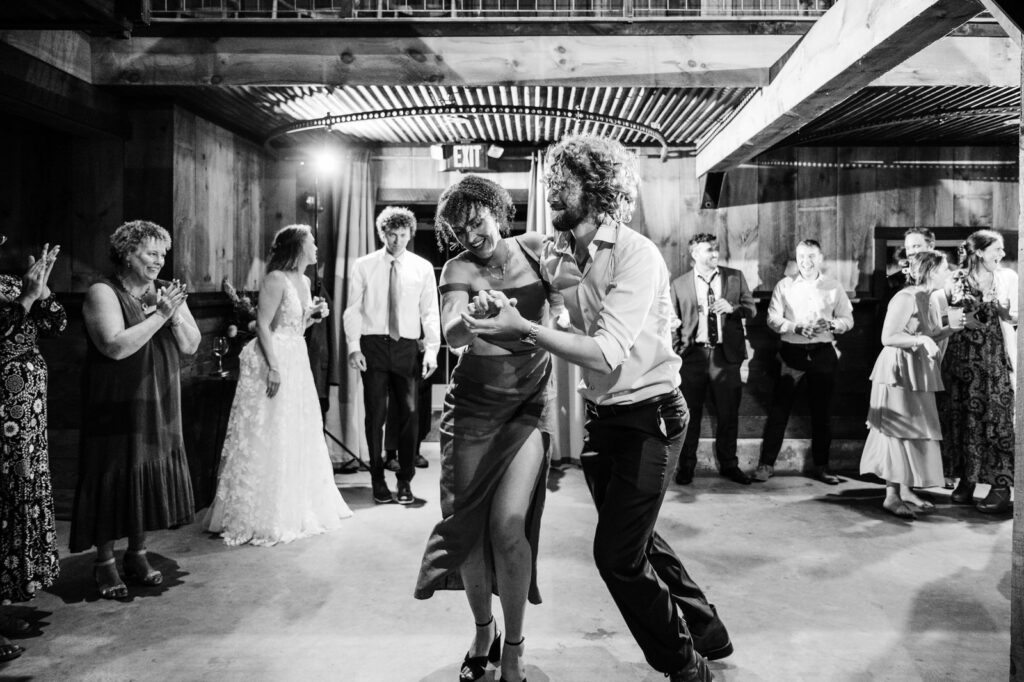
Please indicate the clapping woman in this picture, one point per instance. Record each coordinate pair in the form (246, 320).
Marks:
(902, 446)
(978, 368)
(28, 541)
(133, 476)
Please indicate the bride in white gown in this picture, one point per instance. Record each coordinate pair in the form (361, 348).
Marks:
(276, 478)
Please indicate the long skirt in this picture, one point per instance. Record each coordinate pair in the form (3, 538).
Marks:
(494, 403)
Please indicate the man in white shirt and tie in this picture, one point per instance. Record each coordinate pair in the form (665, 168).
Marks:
(392, 298)
(808, 310)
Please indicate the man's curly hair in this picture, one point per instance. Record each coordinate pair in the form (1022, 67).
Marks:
(132, 234)
(467, 196)
(606, 170)
(395, 218)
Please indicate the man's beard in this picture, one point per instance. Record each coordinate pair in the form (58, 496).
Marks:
(568, 218)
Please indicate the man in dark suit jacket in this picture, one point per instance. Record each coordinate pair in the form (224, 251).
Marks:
(711, 301)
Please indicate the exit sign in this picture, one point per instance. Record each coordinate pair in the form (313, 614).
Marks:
(466, 157)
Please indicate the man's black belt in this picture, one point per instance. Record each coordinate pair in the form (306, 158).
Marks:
(606, 411)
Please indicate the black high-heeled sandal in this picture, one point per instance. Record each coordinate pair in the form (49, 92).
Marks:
(109, 590)
(150, 578)
(475, 667)
(519, 643)
(9, 650)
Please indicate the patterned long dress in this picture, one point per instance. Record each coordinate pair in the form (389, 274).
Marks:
(28, 541)
(977, 408)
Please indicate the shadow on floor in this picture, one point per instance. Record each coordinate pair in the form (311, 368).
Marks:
(76, 583)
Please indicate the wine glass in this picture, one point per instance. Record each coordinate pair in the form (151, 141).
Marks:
(220, 349)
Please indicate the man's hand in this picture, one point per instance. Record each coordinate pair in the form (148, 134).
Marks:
(722, 307)
(356, 360)
(506, 325)
(428, 367)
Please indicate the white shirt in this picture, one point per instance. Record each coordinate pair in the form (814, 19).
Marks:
(700, 283)
(622, 301)
(367, 311)
(798, 301)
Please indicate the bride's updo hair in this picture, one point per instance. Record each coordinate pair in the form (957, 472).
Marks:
(971, 248)
(922, 264)
(286, 249)
(469, 195)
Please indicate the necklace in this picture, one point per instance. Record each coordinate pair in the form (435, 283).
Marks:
(147, 305)
(492, 270)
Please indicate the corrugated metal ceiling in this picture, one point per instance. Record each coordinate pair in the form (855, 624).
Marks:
(684, 116)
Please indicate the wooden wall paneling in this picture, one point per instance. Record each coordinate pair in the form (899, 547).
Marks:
(280, 208)
(942, 184)
(248, 231)
(816, 203)
(203, 245)
(860, 208)
(97, 208)
(737, 220)
(1005, 200)
(659, 209)
(149, 169)
(776, 217)
(972, 190)
(189, 236)
(220, 174)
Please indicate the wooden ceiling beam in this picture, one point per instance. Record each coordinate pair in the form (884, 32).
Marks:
(704, 61)
(959, 61)
(656, 61)
(851, 45)
(1010, 15)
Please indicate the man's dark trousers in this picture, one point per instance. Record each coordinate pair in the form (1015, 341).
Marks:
(391, 367)
(629, 454)
(705, 370)
(817, 364)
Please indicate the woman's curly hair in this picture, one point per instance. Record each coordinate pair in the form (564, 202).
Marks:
(606, 170)
(970, 249)
(466, 197)
(130, 235)
(919, 267)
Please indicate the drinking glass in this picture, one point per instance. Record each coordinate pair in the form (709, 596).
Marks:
(220, 349)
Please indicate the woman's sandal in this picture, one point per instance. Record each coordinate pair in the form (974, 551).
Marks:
(150, 578)
(11, 626)
(475, 667)
(900, 509)
(8, 650)
(508, 643)
(109, 589)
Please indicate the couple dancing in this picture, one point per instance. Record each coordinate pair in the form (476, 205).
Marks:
(497, 419)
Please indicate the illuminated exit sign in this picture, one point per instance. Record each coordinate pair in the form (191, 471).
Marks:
(466, 157)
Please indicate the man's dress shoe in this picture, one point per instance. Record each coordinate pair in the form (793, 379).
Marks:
(713, 642)
(736, 475)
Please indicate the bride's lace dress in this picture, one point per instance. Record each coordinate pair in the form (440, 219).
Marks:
(276, 479)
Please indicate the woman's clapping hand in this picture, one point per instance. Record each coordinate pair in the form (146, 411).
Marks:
(170, 298)
(34, 284)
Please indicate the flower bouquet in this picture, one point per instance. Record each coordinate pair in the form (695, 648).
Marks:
(242, 323)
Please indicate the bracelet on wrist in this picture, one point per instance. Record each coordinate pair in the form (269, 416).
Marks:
(530, 337)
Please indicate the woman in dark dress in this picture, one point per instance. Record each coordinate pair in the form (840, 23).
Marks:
(132, 473)
(28, 540)
(494, 429)
(977, 408)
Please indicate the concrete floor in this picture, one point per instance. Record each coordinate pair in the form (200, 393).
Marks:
(815, 583)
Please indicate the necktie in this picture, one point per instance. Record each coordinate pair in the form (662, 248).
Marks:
(712, 317)
(393, 290)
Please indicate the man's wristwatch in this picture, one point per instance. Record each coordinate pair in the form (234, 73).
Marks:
(530, 337)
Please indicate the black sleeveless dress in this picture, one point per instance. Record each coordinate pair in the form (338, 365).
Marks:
(494, 403)
(133, 476)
